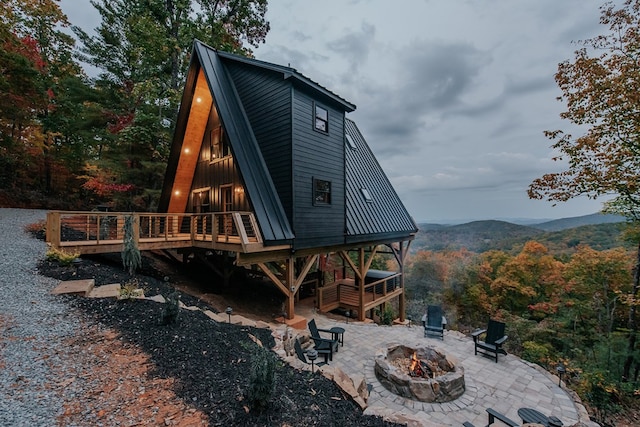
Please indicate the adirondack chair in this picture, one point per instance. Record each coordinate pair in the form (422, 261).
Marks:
(324, 346)
(494, 338)
(302, 355)
(434, 325)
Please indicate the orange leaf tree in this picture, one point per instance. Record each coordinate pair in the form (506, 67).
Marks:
(601, 89)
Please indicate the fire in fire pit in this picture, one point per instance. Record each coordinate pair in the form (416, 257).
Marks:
(423, 368)
(426, 373)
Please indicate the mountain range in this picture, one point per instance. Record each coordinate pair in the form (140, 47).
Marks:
(599, 231)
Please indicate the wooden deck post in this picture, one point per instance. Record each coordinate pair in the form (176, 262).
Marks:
(53, 229)
(291, 289)
(401, 302)
(360, 277)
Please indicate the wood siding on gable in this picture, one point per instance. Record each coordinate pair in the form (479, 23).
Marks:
(320, 156)
(266, 98)
(217, 173)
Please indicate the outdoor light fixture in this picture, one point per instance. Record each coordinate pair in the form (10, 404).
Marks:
(229, 310)
(347, 314)
(561, 370)
(312, 355)
(293, 288)
(409, 319)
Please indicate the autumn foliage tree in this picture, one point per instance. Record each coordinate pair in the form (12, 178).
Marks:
(142, 49)
(601, 89)
(36, 69)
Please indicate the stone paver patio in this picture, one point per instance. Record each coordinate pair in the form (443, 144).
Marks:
(506, 386)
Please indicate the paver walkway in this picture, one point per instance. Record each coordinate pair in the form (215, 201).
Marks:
(505, 386)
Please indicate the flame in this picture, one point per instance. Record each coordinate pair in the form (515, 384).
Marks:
(414, 368)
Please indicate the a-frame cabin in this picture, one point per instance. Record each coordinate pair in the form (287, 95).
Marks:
(262, 151)
(266, 173)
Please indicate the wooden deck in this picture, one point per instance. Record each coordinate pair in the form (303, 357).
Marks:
(346, 295)
(102, 232)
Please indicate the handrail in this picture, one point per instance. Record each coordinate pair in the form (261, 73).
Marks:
(68, 228)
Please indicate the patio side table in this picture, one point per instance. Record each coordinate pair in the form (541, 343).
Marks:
(337, 334)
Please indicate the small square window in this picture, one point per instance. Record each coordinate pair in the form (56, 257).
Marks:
(321, 119)
(321, 192)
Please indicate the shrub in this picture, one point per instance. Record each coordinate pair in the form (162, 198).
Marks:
(171, 309)
(131, 258)
(262, 378)
(36, 229)
(61, 256)
(535, 352)
(387, 316)
(131, 289)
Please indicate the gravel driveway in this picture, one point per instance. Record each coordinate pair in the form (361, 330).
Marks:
(33, 326)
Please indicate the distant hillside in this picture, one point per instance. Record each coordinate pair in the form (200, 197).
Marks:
(566, 223)
(481, 236)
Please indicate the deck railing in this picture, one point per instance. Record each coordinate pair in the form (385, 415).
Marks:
(151, 230)
(344, 293)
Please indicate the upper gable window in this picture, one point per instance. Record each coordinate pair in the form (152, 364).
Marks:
(321, 117)
(321, 192)
(218, 144)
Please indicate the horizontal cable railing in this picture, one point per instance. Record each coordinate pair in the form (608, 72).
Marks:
(66, 228)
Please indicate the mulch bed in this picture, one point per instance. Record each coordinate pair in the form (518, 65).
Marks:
(206, 364)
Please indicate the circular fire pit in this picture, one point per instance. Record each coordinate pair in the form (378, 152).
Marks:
(426, 374)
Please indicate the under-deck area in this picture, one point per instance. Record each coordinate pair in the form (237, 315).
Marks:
(231, 233)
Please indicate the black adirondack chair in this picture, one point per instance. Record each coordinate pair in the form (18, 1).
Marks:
(324, 346)
(434, 326)
(494, 338)
(302, 355)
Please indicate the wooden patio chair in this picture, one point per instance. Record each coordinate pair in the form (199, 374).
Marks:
(434, 325)
(302, 355)
(324, 346)
(494, 338)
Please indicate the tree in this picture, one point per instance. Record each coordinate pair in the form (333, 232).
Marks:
(37, 69)
(601, 89)
(142, 48)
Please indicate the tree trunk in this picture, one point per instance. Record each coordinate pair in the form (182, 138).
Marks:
(632, 325)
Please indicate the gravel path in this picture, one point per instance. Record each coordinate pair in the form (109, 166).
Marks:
(33, 326)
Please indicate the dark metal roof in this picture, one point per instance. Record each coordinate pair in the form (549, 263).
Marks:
(385, 215)
(292, 74)
(267, 208)
(259, 187)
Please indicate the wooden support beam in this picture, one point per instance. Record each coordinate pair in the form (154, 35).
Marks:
(361, 277)
(276, 281)
(291, 279)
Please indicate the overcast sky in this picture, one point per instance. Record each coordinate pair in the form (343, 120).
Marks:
(453, 96)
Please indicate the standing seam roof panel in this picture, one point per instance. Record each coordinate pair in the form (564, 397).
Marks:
(385, 214)
(269, 212)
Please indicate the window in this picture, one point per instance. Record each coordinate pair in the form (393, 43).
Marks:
(321, 192)
(321, 119)
(219, 145)
(366, 195)
(350, 142)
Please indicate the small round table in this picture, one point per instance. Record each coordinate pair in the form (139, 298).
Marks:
(337, 334)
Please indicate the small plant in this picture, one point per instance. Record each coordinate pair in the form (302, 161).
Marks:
(131, 258)
(61, 256)
(262, 379)
(37, 229)
(387, 316)
(131, 289)
(171, 309)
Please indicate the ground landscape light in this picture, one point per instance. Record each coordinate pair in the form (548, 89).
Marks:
(229, 310)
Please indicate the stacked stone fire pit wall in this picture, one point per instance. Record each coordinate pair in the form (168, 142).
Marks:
(443, 388)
